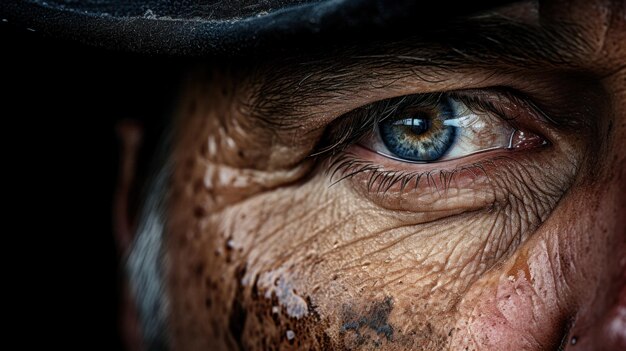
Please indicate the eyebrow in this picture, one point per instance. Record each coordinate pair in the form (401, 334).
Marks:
(490, 42)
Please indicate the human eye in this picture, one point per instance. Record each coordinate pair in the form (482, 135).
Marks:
(439, 127)
(432, 136)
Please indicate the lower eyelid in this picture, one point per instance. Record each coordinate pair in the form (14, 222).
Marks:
(448, 185)
(422, 191)
(387, 164)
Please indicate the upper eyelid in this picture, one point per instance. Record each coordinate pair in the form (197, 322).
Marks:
(494, 40)
(362, 119)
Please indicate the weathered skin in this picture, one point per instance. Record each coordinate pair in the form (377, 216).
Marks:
(525, 252)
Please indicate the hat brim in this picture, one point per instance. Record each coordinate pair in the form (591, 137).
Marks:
(198, 30)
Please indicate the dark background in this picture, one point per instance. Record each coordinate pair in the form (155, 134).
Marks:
(59, 104)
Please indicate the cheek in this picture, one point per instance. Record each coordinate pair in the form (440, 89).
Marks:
(312, 266)
(517, 307)
(556, 286)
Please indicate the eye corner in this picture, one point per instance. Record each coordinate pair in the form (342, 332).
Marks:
(524, 139)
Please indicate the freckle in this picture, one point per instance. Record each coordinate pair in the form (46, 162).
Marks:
(198, 269)
(199, 212)
(208, 302)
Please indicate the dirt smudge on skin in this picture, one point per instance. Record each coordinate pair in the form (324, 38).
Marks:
(367, 325)
(238, 314)
(521, 265)
(259, 321)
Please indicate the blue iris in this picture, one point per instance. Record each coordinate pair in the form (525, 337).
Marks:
(419, 136)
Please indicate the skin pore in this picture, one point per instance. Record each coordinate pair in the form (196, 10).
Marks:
(264, 246)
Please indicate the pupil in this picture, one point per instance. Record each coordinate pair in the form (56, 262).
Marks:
(416, 126)
(419, 126)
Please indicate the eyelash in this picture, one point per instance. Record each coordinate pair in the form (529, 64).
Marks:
(348, 165)
(343, 133)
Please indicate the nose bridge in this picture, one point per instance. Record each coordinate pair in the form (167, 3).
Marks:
(616, 137)
(607, 331)
(615, 47)
(612, 59)
(600, 322)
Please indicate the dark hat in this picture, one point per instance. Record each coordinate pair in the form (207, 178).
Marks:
(227, 27)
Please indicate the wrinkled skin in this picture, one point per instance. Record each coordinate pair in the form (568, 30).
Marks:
(524, 252)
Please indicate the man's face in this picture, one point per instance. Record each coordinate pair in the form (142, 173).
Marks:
(462, 189)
